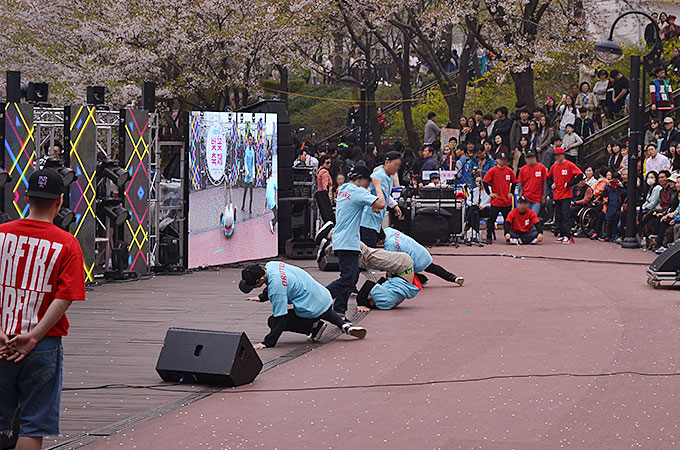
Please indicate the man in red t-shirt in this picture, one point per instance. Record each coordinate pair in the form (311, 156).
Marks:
(564, 175)
(532, 176)
(497, 183)
(523, 225)
(41, 273)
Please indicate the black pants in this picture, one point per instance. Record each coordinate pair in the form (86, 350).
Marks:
(246, 187)
(325, 207)
(302, 325)
(442, 273)
(276, 215)
(369, 237)
(472, 217)
(562, 219)
(493, 215)
(341, 288)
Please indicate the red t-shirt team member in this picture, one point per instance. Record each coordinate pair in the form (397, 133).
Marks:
(497, 183)
(41, 273)
(564, 174)
(523, 225)
(532, 176)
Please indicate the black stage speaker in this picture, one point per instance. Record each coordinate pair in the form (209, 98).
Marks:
(430, 226)
(329, 264)
(209, 357)
(300, 249)
(668, 261)
(13, 86)
(37, 92)
(149, 96)
(96, 95)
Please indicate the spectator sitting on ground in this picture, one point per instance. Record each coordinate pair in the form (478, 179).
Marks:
(522, 225)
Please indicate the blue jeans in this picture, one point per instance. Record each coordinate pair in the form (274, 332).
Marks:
(34, 386)
(525, 236)
(341, 288)
(535, 207)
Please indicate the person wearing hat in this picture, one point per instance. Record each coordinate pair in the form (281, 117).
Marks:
(532, 178)
(290, 285)
(47, 277)
(396, 241)
(522, 225)
(564, 174)
(351, 201)
(388, 293)
(497, 183)
(434, 180)
(671, 135)
(371, 222)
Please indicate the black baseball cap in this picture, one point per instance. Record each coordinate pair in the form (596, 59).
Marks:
(530, 153)
(502, 155)
(45, 183)
(522, 199)
(434, 175)
(359, 172)
(249, 277)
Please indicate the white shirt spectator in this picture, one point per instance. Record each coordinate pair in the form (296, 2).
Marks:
(658, 163)
(413, 61)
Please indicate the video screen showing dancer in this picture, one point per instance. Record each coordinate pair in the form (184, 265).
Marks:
(233, 187)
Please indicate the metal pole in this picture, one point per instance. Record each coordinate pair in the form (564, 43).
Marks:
(634, 147)
(363, 95)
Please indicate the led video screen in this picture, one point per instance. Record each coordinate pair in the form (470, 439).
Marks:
(233, 187)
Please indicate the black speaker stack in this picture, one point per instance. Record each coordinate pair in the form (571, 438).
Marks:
(665, 268)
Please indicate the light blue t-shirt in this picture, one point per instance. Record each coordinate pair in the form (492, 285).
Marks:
(270, 193)
(370, 219)
(396, 241)
(392, 292)
(249, 162)
(350, 204)
(290, 285)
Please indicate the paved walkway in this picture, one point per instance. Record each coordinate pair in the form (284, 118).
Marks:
(497, 345)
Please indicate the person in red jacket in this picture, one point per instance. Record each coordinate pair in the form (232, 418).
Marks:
(564, 175)
(497, 183)
(523, 225)
(532, 176)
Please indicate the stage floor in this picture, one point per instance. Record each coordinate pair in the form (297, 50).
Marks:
(501, 348)
(117, 334)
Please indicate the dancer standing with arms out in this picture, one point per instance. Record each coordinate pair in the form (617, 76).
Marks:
(290, 285)
(353, 197)
(371, 222)
(564, 174)
(249, 176)
(497, 183)
(41, 273)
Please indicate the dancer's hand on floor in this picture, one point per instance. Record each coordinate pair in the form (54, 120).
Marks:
(363, 309)
(259, 346)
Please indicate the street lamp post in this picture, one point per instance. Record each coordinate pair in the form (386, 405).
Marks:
(609, 52)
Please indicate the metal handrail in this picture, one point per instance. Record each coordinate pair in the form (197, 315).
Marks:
(592, 148)
(420, 92)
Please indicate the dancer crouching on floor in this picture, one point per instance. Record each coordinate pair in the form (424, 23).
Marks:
(312, 303)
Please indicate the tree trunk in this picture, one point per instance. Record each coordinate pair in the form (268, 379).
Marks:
(338, 63)
(244, 96)
(283, 83)
(237, 99)
(458, 100)
(406, 92)
(524, 87)
(373, 125)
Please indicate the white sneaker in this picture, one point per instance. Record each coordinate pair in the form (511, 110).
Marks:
(514, 241)
(535, 241)
(323, 232)
(357, 332)
(318, 332)
(459, 281)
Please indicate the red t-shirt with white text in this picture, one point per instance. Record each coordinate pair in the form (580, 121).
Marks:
(522, 222)
(500, 181)
(532, 178)
(39, 262)
(563, 173)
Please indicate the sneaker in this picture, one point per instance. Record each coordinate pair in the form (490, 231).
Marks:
(317, 331)
(535, 241)
(271, 226)
(514, 241)
(357, 332)
(459, 281)
(660, 250)
(323, 232)
(593, 236)
(568, 240)
(559, 240)
(322, 250)
(489, 241)
(549, 223)
(618, 240)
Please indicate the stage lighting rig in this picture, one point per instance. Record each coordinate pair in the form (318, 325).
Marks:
(111, 169)
(96, 95)
(65, 217)
(37, 93)
(112, 208)
(68, 175)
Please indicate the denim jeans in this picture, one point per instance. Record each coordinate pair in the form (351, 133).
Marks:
(525, 236)
(341, 288)
(535, 207)
(34, 385)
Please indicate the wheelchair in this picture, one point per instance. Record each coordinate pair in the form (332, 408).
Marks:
(586, 222)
